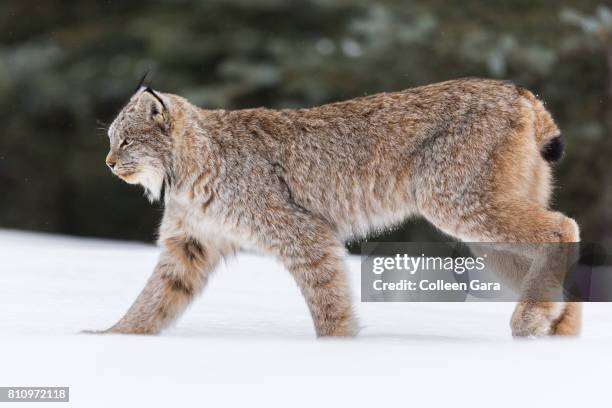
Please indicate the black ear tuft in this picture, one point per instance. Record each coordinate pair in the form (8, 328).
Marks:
(142, 80)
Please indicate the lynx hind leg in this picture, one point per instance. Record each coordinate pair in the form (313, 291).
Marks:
(546, 269)
(512, 268)
(522, 221)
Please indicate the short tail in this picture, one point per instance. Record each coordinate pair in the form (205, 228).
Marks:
(553, 150)
(547, 134)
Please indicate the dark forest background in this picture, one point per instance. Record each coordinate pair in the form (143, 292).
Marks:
(67, 67)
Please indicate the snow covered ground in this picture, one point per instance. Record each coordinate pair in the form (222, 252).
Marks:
(248, 341)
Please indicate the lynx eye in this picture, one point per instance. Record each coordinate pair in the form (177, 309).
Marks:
(125, 143)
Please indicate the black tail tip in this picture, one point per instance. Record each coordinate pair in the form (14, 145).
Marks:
(553, 150)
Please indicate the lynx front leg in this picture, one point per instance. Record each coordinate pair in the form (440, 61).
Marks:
(308, 248)
(181, 273)
(322, 280)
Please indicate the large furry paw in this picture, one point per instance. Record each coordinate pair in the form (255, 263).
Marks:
(532, 319)
(345, 327)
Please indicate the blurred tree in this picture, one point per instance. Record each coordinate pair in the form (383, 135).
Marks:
(597, 31)
(67, 67)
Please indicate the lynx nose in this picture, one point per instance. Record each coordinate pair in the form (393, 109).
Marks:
(110, 162)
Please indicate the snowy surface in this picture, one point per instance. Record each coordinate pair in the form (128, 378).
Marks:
(248, 341)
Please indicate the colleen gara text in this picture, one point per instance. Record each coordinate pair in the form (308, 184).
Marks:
(437, 285)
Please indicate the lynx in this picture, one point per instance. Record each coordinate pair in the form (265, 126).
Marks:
(471, 156)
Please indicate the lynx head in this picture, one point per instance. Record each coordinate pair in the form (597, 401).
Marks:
(140, 141)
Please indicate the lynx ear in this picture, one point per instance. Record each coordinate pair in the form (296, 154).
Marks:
(158, 105)
(157, 96)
